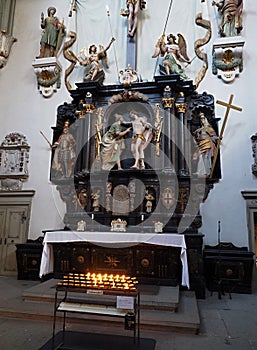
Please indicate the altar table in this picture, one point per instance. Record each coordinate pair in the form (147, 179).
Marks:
(113, 240)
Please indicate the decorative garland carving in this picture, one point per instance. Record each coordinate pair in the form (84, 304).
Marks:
(128, 95)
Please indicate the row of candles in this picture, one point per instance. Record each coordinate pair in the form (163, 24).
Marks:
(94, 280)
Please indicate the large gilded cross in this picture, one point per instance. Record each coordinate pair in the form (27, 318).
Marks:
(229, 106)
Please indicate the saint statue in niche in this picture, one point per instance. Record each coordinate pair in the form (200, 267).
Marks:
(96, 200)
(113, 144)
(142, 136)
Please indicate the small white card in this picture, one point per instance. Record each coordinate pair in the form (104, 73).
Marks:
(126, 303)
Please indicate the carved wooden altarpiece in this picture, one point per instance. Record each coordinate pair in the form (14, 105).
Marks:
(165, 196)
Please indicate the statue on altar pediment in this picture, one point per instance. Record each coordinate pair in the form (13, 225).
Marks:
(173, 53)
(128, 76)
(231, 17)
(52, 35)
(94, 68)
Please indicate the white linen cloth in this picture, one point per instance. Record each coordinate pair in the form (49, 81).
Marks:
(112, 240)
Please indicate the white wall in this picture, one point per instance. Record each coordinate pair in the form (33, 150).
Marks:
(24, 110)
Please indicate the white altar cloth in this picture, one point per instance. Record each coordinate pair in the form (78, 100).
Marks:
(112, 240)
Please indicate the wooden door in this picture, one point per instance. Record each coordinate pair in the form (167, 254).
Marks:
(14, 226)
(14, 231)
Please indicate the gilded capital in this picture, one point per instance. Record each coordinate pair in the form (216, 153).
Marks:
(168, 102)
(181, 107)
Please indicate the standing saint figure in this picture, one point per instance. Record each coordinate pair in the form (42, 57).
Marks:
(142, 136)
(64, 155)
(52, 35)
(206, 139)
(113, 144)
(231, 20)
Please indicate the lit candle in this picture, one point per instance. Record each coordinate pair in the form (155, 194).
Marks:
(123, 278)
(99, 276)
(92, 216)
(142, 217)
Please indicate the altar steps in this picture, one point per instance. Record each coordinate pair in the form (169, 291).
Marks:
(164, 309)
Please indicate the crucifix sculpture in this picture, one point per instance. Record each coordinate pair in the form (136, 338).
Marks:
(229, 106)
(132, 12)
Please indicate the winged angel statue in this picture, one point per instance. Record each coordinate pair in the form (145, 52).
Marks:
(174, 53)
(94, 61)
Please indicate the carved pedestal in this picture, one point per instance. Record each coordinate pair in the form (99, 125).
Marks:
(48, 73)
(228, 58)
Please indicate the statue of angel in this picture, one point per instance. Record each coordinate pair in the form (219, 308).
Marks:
(173, 52)
(94, 69)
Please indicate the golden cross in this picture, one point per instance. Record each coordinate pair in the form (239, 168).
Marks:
(229, 106)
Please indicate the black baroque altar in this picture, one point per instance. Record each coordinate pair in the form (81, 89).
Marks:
(172, 107)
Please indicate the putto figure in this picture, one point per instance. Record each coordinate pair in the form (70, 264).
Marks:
(52, 35)
(92, 62)
(231, 17)
(173, 52)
